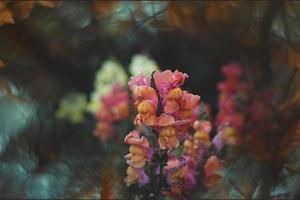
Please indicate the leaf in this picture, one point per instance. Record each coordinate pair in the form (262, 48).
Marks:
(22, 9)
(104, 7)
(49, 3)
(290, 139)
(256, 148)
(220, 12)
(106, 184)
(294, 57)
(2, 64)
(6, 17)
(182, 16)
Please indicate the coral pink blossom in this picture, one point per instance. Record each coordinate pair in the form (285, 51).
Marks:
(139, 150)
(139, 80)
(114, 105)
(167, 80)
(232, 70)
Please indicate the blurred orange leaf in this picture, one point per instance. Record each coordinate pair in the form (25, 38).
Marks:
(220, 11)
(2, 64)
(106, 184)
(104, 7)
(6, 16)
(290, 139)
(294, 57)
(182, 16)
(49, 3)
(22, 9)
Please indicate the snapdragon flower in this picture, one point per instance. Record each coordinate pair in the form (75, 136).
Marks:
(230, 120)
(110, 73)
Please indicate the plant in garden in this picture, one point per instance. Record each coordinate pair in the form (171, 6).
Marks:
(165, 115)
(232, 104)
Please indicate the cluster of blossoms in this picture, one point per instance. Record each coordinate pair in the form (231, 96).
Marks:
(110, 101)
(230, 119)
(114, 107)
(169, 112)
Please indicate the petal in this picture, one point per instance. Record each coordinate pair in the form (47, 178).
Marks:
(165, 120)
(162, 143)
(171, 107)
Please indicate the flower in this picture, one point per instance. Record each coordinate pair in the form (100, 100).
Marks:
(114, 106)
(179, 175)
(142, 64)
(230, 119)
(212, 170)
(135, 175)
(169, 130)
(104, 130)
(188, 104)
(202, 125)
(146, 100)
(111, 73)
(168, 80)
(139, 150)
(139, 80)
(168, 138)
(72, 107)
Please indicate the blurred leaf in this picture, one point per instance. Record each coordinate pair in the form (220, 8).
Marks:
(256, 148)
(183, 16)
(106, 184)
(22, 9)
(49, 3)
(294, 57)
(6, 16)
(220, 11)
(290, 139)
(2, 64)
(104, 8)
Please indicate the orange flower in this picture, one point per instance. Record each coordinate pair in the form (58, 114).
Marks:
(139, 150)
(135, 175)
(168, 138)
(202, 138)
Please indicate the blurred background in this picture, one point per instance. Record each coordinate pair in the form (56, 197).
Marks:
(49, 49)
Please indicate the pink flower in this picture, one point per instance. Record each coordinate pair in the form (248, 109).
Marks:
(115, 105)
(139, 80)
(188, 104)
(139, 150)
(232, 70)
(146, 101)
(202, 125)
(212, 172)
(135, 175)
(168, 80)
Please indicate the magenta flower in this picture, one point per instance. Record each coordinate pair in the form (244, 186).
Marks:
(168, 80)
(232, 71)
(139, 80)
